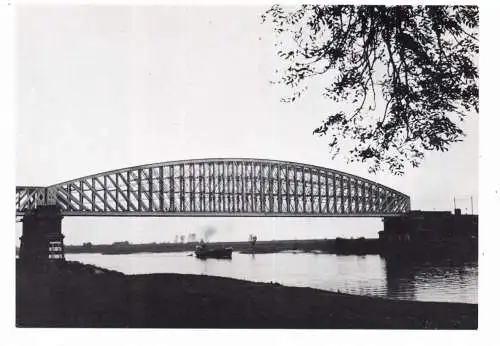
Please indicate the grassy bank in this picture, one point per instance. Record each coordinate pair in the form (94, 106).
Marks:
(83, 296)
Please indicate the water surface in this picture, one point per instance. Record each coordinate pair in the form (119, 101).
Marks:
(364, 275)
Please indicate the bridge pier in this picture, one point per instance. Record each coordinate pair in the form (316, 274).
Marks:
(42, 239)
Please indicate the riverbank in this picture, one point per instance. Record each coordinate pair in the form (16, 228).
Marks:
(76, 295)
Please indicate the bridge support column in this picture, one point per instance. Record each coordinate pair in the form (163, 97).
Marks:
(42, 239)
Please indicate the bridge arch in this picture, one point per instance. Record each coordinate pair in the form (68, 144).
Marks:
(218, 187)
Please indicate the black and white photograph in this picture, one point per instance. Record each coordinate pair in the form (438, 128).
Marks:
(293, 166)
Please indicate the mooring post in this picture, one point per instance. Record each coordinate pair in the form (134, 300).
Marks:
(42, 239)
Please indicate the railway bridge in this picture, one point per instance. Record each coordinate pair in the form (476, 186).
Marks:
(223, 187)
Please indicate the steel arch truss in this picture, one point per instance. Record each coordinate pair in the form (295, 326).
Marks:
(218, 187)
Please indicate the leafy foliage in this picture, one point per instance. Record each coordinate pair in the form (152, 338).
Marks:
(418, 62)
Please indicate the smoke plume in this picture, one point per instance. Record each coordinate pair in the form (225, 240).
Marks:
(208, 233)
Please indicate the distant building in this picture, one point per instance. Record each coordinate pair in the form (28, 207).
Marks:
(120, 243)
(429, 226)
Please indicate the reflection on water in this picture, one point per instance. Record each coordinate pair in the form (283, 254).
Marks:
(432, 281)
(365, 275)
(400, 280)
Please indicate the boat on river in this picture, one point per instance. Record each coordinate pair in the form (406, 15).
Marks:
(202, 251)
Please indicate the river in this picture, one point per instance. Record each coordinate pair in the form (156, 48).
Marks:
(364, 275)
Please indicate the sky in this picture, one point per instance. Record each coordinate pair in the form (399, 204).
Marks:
(101, 88)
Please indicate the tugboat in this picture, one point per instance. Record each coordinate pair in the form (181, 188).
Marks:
(202, 252)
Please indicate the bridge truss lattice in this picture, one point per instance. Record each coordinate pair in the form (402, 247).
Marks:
(218, 187)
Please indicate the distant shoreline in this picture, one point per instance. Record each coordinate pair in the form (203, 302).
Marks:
(339, 246)
(360, 245)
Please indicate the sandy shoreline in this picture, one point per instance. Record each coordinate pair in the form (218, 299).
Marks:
(85, 296)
